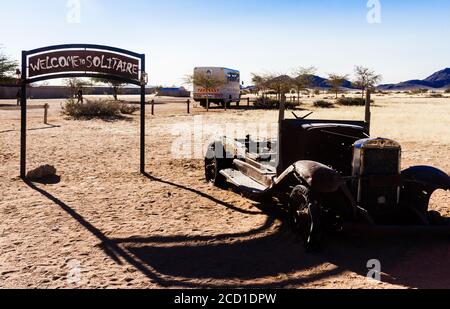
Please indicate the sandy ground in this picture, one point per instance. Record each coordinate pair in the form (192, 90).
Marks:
(103, 225)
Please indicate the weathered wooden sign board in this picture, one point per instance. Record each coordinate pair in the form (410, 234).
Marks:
(83, 61)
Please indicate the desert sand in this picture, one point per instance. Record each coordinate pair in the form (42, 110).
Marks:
(103, 225)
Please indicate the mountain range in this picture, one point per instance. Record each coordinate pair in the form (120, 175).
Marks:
(439, 80)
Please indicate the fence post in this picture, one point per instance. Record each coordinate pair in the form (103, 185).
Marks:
(188, 106)
(368, 111)
(248, 102)
(46, 106)
(153, 107)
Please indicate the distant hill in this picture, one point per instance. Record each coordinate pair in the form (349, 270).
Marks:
(320, 82)
(438, 80)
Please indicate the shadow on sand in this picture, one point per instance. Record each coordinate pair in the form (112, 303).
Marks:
(47, 127)
(268, 252)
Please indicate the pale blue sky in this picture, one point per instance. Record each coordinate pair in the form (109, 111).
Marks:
(411, 42)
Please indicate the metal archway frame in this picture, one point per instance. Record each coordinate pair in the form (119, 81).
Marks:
(25, 80)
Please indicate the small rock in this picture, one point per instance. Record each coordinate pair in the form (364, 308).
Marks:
(42, 172)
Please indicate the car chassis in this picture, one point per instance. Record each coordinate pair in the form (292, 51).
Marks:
(328, 173)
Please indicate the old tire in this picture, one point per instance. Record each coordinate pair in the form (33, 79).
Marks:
(304, 214)
(435, 219)
(215, 161)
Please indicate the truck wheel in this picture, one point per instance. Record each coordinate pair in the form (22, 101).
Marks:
(215, 161)
(304, 214)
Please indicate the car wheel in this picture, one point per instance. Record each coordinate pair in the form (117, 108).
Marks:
(435, 218)
(216, 161)
(304, 213)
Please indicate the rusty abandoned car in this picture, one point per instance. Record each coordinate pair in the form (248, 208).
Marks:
(328, 173)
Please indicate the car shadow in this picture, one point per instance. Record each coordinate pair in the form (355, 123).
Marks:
(405, 261)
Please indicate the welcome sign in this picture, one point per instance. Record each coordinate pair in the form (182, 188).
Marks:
(84, 61)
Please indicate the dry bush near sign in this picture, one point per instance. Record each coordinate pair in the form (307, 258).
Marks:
(103, 109)
(128, 109)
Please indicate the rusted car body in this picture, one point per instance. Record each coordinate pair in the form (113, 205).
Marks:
(328, 173)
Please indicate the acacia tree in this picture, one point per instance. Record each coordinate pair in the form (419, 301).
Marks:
(8, 68)
(280, 84)
(206, 81)
(303, 79)
(336, 82)
(113, 84)
(260, 83)
(366, 79)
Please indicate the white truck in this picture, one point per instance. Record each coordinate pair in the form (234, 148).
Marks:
(229, 91)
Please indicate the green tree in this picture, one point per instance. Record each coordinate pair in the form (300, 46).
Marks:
(303, 79)
(366, 79)
(8, 69)
(336, 81)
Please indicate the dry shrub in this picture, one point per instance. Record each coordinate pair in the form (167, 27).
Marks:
(436, 95)
(352, 101)
(268, 103)
(447, 90)
(128, 109)
(323, 104)
(97, 109)
(419, 91)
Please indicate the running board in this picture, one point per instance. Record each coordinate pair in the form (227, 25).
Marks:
(244, 182)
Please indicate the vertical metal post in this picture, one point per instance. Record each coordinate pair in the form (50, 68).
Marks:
(153, 107)
(188, 106)
(23, 118)
(281, 118)
(143, 117)
(248, 102)
(368, 116)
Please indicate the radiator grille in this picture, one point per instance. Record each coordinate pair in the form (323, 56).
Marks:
(381, 162)
(380, 201)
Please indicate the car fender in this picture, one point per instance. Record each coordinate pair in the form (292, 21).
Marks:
(318, 177)
(428, 177)
(419, 184)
